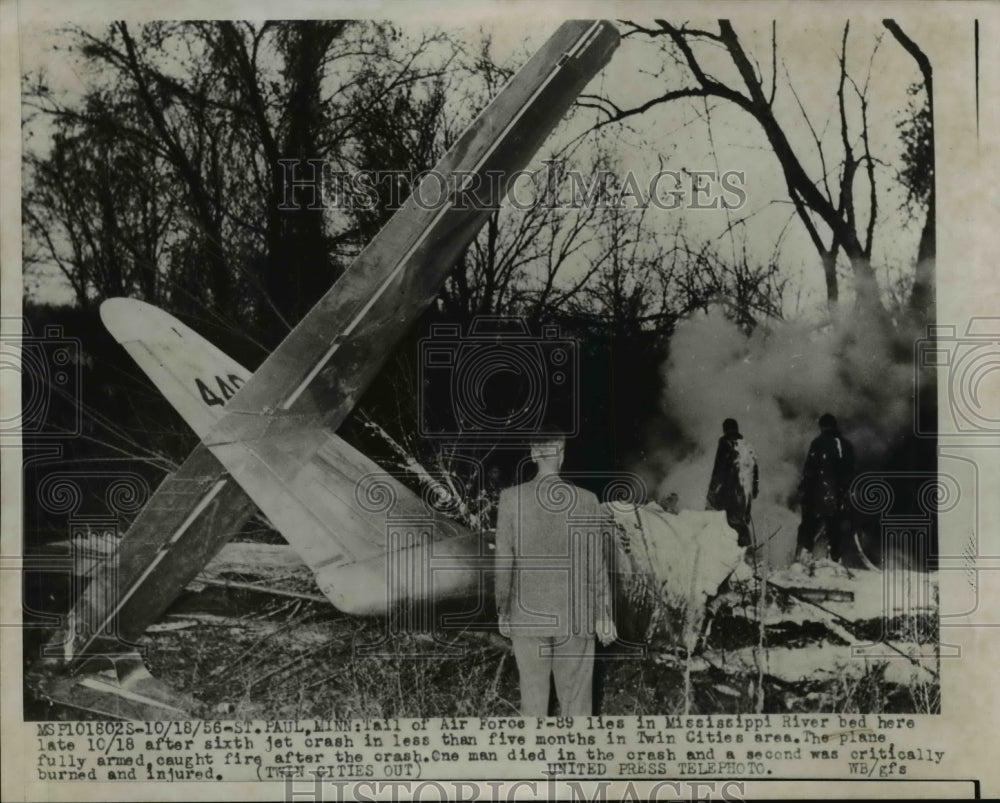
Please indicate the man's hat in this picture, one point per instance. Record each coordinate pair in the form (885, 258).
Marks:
(827, 421)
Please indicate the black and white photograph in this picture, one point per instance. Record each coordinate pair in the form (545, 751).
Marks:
(565, 370)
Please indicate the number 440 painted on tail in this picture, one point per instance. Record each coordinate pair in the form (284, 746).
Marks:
(227, 388)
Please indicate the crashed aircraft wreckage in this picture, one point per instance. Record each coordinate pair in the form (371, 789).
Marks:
(273, 445)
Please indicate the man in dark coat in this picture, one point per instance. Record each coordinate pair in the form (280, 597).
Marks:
(826, 480)
(735, 480)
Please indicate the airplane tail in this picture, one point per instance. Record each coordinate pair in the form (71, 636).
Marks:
(317, 499)
(193, 375)
(372, 543)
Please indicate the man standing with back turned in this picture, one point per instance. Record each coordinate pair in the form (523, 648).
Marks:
(552, 584)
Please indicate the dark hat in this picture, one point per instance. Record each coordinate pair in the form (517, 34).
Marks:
(827, 421)
(730, 426)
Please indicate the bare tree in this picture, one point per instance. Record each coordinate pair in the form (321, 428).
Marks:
(918, 175)
(219, 119)
(827, 202)
(651, 279)
(105, 242)
(521, 261)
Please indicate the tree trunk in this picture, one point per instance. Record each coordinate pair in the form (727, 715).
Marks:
(830, 272)
(922, 296)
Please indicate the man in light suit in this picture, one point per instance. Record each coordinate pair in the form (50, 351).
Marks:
(552, 583)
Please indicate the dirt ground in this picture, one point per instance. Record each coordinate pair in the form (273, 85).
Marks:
(242, 653)
(293, 658)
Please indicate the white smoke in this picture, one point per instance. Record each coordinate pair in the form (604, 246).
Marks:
(776, 383)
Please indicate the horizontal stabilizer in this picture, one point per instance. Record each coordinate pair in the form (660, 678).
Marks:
(192, 374)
